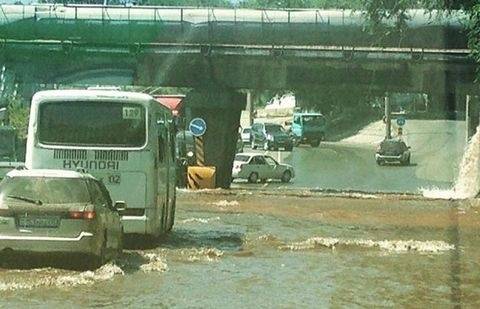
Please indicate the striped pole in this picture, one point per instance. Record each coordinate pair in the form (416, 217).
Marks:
(199, 151)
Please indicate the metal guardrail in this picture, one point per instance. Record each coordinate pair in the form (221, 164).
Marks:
(195, 14)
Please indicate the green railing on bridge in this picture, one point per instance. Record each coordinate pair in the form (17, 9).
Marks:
(200, 15)
(118, 24)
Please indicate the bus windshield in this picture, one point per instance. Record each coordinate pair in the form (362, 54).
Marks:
(92, 124)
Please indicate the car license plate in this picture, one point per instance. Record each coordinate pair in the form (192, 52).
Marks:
(45, 222)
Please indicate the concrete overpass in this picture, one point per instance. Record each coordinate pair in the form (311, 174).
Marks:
(216, 51)
(274, 49)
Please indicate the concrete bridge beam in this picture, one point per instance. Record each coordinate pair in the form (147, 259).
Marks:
(220, 108)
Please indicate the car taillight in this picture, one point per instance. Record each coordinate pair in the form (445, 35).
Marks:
(86, 215)
(238, 166)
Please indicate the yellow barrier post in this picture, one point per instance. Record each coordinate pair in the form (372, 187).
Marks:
(201, 177)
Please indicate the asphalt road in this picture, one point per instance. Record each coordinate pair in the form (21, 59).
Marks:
(437, 149)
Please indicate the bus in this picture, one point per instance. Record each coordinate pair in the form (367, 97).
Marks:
(125, 139)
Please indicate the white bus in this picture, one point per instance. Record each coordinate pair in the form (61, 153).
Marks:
(124, 139)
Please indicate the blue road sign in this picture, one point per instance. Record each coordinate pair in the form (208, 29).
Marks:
(401, 120)
(197, 126)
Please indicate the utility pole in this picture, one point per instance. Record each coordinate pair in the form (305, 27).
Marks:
(250, 107)
(388, 118)
(467, 117)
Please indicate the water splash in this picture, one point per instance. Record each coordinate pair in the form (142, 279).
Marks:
(155, 263)
(393, 246)
(225, 203)
(30, 279)
(200, 220)
(467, 184)
(201, 254)
(48, 277)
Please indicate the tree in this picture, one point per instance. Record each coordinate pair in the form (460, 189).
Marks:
(194, 3)
(378, 11)
(18, 116)
(474, 34)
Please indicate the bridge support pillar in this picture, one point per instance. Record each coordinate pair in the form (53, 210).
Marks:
(472, 115)
(221, 109)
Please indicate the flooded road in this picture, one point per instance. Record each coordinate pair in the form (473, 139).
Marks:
(290, 249)
(310, 243)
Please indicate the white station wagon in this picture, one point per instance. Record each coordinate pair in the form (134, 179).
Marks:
(59, 212)
(255, 167)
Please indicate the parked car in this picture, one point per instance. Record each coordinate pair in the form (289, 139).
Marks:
(270, 136)
(393, 150)
(255, 167)
(58, 211)
(308, 128)
(246, 135)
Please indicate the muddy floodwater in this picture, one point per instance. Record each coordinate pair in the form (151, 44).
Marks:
(291, 249)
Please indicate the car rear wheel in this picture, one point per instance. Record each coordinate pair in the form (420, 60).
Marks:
(379, 162)
(406, 161)
(120, 244)
(286, 176)
(100, 259)
(253, 178)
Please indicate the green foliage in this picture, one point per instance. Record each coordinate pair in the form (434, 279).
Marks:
(378, 11)
(258, 4)
(193, 3)
(18, 116)
(474, 34)
(340, 4)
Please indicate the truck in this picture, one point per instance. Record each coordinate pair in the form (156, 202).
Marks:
(308, 128)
